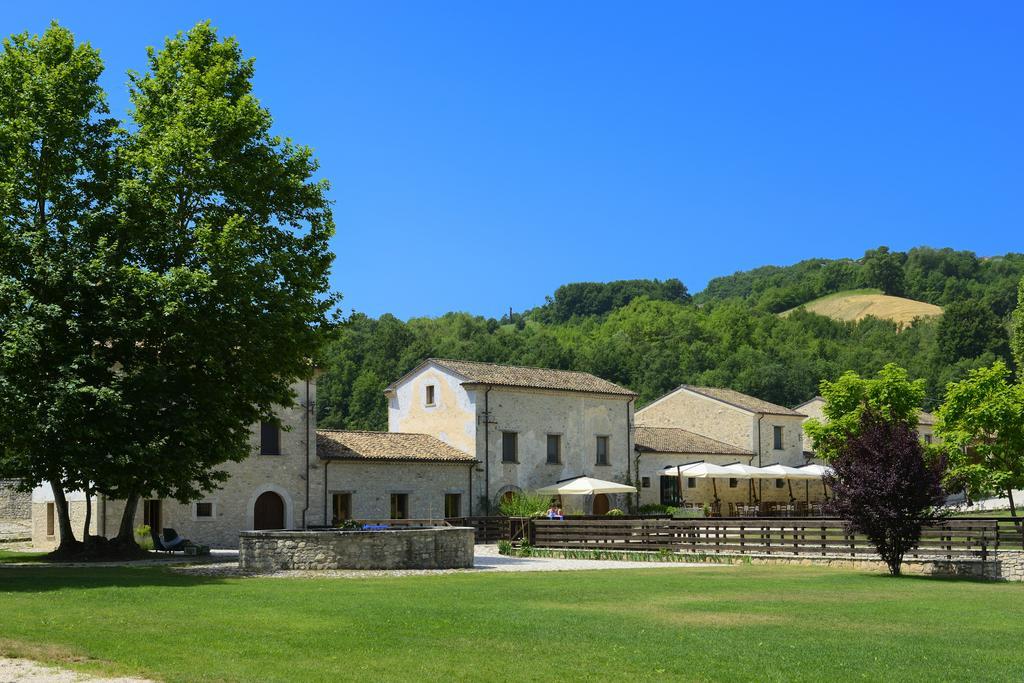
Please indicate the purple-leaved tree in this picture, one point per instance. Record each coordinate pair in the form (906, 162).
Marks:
(887, 486)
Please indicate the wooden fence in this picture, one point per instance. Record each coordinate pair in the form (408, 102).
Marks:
(951, 538)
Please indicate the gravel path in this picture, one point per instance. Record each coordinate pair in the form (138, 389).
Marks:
(487, 560)
(27, 671)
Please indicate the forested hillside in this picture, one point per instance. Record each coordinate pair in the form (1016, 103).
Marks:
(651, 335)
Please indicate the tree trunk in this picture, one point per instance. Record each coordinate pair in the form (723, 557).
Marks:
(126, 532)
(88, 516)
(68, 542)
(1013, 508)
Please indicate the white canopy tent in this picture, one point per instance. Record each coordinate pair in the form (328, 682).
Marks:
(737, 470)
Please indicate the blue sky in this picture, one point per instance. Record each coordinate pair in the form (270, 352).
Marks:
(481, 154)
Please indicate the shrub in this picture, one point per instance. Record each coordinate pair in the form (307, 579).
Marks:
(525, 549)
(349, 525)
(656, 509)
(143, 537)
(614, 512)
(504, 547)
(522, 504)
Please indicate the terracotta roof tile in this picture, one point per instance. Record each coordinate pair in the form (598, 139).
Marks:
(675, 440)
(355, 445)
(527, 377)
(740, 400)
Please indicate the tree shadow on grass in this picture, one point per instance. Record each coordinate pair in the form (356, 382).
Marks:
(43, 577)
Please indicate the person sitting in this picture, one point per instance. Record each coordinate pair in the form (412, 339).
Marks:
(552, 510)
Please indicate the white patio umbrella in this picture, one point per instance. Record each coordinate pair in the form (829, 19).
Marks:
(749, 472)
(585, 486)
(818, 471)
(815, 472)
(778, 471)
(700, 470)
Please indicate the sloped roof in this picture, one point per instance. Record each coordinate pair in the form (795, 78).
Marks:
(742, 401)
(675, 440)
(520, 376)
(808, 402)
(923, 416)
(356, 445)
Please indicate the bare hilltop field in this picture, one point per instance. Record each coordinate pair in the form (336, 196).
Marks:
(853, 305)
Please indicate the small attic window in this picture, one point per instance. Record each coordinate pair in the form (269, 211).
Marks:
(428, 398)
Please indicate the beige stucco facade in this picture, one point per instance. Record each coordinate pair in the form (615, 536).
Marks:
(451, 417)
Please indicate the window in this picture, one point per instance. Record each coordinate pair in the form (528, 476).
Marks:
(927, 438)
(669, 491)
(399, 506)
(50, 512)
(691, 482)
(602, 450)
(341, 504)
(645, 482)
(777, 433)
(452, 504)
(428, 399)
(509, 447)
(270, 439)
(780, 483)
(204, 510)
(733, 483)
(151, 515)
(554, 449)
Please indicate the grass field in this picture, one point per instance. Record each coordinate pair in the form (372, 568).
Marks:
(719, 623)
(856, 304)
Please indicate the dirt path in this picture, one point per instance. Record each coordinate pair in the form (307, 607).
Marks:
(25, 670)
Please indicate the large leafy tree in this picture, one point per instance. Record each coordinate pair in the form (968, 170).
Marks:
(886, 485)
(982, 424)
(1017, 332)
(884, 269)
(224, 250)
(968, 329)
(891, 394)
(58, 405)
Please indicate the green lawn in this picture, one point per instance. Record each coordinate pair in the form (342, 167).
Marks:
(721, 623)
(986, 513)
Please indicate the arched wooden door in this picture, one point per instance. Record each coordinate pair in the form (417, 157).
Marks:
(268, 513)
(600, 506)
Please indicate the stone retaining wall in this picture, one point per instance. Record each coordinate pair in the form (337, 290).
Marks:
(429, 548)
(1003, 565)
(14, 505)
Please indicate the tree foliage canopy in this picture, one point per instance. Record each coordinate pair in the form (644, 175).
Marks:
(161, 287)
(981, 423)
(885, 485)
(890, 394)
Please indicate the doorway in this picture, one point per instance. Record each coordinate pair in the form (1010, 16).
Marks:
(600, 506)
(268, 513)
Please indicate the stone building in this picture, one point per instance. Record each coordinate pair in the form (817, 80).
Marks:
(528, 427)
(374, 475)
(271, 489)
(718, 426)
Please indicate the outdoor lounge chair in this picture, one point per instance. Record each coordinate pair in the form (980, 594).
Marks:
(170, 542)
